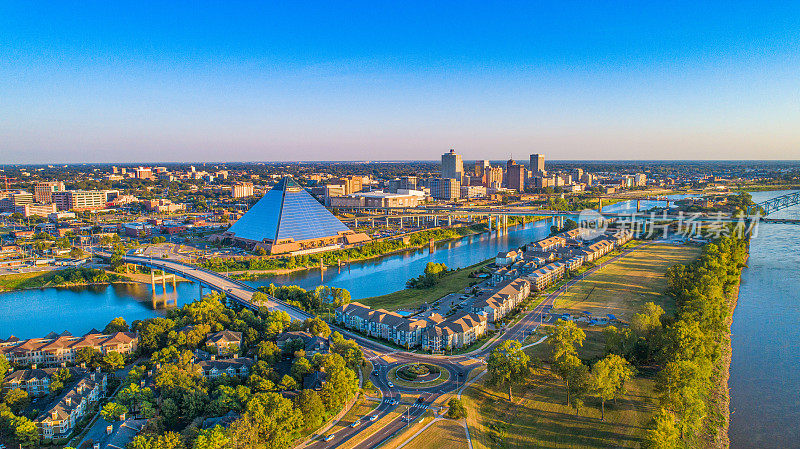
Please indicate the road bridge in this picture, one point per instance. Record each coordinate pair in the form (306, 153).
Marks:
(236, 291)
(775, 204)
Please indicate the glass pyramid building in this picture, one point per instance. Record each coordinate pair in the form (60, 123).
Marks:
(288, 219)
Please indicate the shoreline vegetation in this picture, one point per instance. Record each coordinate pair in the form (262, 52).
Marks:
(371, 250)
(67, 277)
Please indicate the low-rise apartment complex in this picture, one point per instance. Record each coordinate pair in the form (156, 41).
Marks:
(55, 350)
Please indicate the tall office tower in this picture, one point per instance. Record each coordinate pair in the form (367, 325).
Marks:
(408, 182)
(452, 165)
(494, 177)
(481, 168)
(537, 163)
(516, 177)
(445, 188)
(587, 179)
(577, 174)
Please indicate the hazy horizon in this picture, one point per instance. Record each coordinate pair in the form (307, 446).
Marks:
(240, 82)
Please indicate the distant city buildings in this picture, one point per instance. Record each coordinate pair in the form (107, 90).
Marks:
(445, 188)
(537, 164)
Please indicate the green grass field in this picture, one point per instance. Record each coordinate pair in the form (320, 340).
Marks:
(539, 418)
(409, 298)
(443, 434)
(621, 287)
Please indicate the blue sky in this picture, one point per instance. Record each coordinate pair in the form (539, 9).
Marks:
(240, 81)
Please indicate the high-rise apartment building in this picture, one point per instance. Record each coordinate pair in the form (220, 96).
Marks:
(577, 174)
(408, 182)
(481, 167)
(352, 184)
(242, 190)
(537, 163)
(43, 191)
(515, 176)
(452, 165)
(494, 177)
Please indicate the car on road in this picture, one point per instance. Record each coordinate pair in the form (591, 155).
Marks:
(328, 437)
(375, 372)
(390, 384)
(373, 417)
(355, 423)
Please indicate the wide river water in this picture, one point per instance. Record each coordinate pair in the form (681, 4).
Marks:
(765, 370)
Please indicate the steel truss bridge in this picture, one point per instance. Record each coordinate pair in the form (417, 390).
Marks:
(775, 204)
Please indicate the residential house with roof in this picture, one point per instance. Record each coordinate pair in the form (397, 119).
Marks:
(225, 341)
(311, 344)
(60, 418)
(234, 367)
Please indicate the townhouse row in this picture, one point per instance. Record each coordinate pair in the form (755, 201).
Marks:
(60, 418)
(434, 332)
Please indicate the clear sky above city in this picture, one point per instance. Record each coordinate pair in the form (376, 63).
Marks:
(239, 81)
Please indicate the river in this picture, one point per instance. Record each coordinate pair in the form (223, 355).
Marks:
(765, 367)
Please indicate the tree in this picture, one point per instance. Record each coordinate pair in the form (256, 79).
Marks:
(269, 352)
(662, 433)
(311, 406)
(116, 325)
(270, 422)
(566, 367)
(318, 327)
(113, 411)
(214, 438)
(75, 252)
(457, 409)
(348, 349)
(113, 360)
(26, 432)
(648, 319)
(17, 400)
(169, 440)
(580, 383)
(563, 339)
(4, 366)
(88, 356)
(608, 379)
(287, 383)
(507, 365)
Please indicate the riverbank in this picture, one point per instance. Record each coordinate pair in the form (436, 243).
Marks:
(372, 250)
(67, 277)
(452, 282)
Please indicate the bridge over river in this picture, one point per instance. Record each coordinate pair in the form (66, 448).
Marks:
(236, 291)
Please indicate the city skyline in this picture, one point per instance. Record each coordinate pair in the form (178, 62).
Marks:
(133, 82)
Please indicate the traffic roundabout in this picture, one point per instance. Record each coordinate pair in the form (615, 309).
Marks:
(418, 375)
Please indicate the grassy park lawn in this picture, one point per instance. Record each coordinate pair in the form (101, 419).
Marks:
(622, 287)
(21, 280)
(410, 297)
(538, 416)
(443, 434)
